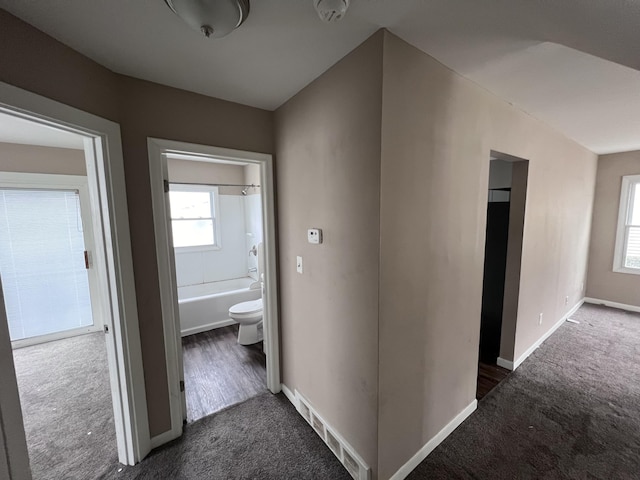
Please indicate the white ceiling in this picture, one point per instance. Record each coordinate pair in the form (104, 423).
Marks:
(25, 132)
(507, 46)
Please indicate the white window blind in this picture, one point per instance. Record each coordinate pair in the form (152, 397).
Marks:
(632, 230)
(42, 266)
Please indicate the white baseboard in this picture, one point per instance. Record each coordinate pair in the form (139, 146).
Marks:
(52, 337)
(204, 328)
(541, 340)
(350, 459)
(289, 394)
(508, 364)
(430, 446)
(607, 303)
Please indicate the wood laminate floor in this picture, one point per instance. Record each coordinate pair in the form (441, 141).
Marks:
(489, 376)
(219, 373)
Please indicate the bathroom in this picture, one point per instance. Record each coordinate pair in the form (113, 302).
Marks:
(216, 222)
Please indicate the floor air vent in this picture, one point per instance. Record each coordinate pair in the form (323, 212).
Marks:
(341, 449)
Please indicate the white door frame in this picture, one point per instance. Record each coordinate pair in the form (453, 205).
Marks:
(158, 149)
(105, 173)
(48, 181)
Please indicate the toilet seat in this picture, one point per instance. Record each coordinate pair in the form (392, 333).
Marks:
(247, 308)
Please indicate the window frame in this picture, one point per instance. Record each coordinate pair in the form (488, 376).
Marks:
(624, 217)
(215, 216)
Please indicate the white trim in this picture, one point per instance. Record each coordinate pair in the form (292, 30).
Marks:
(52, 337)
(206, 327)
(607, 303)
(624, 213)
(14, 458)
(289, 394)
(430, 446)
(350, 459)
(105, 171)
(158, 150)
(508, 364)
(550, 332)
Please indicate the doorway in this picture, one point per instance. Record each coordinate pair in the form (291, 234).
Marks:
(112, 292)
(501, 278)
(229, 261)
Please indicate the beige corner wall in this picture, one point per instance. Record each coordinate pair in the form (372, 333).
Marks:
(603, 283)
(36, 62)
(437, 133)
(252, 177)
(328, 176)
(517, 214)
(205, 173)
(36, 159)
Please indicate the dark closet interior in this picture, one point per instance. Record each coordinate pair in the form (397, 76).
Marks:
(495, 262)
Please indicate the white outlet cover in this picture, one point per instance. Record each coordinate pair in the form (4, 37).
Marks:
(314, 236)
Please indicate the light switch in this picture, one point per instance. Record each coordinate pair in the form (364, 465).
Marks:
(314, 235)
(299, 264)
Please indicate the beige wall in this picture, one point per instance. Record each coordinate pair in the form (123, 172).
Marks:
(207, 172)
(438, 130)
(36, 62)
(36, 159)
(603, 283)
(517, 212)
(252, 177)
(391, 159)
(328, 174)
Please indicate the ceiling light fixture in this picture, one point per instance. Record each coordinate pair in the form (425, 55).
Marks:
(331, 10)
(214, 18)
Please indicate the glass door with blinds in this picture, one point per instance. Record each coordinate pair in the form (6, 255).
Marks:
(44, 263)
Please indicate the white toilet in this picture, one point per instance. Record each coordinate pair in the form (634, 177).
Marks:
(249, 316)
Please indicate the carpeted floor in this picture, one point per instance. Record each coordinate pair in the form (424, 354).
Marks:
(571, 411)
(263, 438)
(66, 404)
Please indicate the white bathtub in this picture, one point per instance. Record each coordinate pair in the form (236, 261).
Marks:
(206, 306)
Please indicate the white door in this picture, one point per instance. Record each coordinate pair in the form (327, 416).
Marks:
(45, 262)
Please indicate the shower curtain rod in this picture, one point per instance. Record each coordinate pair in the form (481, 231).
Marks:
(253, 185)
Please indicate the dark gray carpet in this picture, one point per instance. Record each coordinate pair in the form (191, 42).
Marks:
(263, 438)
(571, 411)
(66, 404)
(65, 394)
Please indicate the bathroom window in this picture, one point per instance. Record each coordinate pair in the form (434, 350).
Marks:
(194, 219)
(627, 253)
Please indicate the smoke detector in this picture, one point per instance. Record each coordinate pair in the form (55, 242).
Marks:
(213, 18)
(331, 10)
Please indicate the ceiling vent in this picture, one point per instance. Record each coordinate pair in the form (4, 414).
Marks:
(213, 18)
(331, 10)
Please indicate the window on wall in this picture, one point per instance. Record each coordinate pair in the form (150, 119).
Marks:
(627, 254)
(194, 216)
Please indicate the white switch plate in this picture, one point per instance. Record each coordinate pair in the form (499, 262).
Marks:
(540, 319)
(299, 264)
(314, 235)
